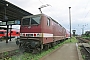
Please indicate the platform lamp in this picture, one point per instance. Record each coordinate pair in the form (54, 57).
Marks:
(6, 20)
(70, 22)
(43, 7)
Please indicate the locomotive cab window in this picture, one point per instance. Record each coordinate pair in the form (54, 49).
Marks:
(35, 20)
(31, 20)
(48, 22)
(26, 21)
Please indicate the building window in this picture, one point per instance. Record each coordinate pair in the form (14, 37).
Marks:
(48, 22)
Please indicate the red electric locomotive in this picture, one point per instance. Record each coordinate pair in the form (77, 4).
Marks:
(40, 31)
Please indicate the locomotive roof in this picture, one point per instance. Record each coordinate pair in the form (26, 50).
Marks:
(55, 21)
(46, 16)
(32, 15)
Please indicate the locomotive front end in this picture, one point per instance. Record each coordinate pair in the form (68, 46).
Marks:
(30, 33)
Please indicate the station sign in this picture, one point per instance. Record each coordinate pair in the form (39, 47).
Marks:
(14, 22)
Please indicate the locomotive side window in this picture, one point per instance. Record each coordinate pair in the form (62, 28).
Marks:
(26, 21)
(48, 22)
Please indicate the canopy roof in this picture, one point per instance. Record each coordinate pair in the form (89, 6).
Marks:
(11, 11)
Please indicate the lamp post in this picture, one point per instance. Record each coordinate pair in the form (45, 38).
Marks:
(70, 22)
(43, 7)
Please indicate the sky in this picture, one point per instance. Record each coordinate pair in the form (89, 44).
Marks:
(59, 11)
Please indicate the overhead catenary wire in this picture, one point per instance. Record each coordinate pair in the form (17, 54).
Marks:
(85, 9)
(40, 1)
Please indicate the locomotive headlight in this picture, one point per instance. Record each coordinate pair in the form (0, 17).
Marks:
(38, 35)
(21, 34)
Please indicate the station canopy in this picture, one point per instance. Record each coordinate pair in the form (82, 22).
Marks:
(10, 12)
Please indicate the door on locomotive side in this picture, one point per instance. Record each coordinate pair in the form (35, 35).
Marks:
(47, 29)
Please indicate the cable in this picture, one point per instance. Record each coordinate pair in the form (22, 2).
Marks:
(41, 2)
(85, 9)
(86, 14)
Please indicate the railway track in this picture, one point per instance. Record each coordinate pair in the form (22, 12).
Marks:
(8, 54)
(85, 49)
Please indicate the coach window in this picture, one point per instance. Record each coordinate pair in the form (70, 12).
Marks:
(17, 32)
(1, 32)
(48, 22)
(11, 31)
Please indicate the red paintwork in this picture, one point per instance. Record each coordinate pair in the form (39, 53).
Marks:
(54, 28)
(32, 29)
(67, 34)
(45, 28)
(47, 40)
(58, 31)
(14, 33)
(4, 31)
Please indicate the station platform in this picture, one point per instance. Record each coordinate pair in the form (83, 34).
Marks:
(66, 52)
(11, 45)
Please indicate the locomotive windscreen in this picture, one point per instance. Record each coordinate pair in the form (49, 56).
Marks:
(26, 21)
(34, 20)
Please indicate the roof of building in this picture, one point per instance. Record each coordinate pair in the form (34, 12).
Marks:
(11, 11)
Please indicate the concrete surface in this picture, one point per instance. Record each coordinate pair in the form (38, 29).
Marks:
(66, 52)
(11, 45)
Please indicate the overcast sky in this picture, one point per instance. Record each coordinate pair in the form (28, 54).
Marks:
(59, 11)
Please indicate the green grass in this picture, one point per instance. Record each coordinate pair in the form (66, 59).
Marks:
(85, 37)
(83, 56)
(72, 40)
(29, 56)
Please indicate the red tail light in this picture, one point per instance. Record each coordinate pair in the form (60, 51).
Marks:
(34, 34)
(23, 34)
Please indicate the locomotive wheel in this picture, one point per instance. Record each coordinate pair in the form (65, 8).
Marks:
(21, 46)
(25, 48)
(36, 50)
(47, 46)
